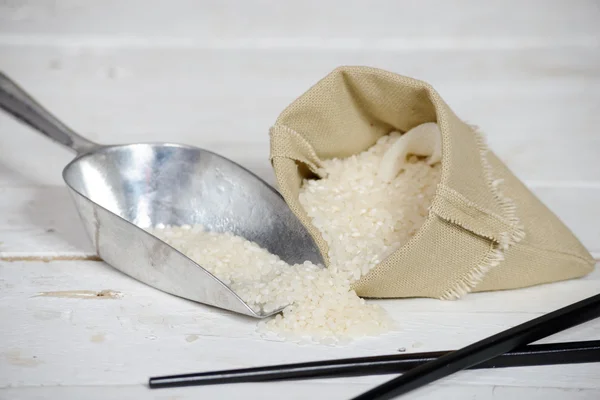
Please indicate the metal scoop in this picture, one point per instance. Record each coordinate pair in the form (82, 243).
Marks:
(120, 190)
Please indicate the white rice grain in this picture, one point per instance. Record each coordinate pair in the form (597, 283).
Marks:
(363, 220)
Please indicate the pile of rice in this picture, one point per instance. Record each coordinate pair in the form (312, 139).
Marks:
(363, 220)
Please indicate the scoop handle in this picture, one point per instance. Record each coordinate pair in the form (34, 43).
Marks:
(23, 107)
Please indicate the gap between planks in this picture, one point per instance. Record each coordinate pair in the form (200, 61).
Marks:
(91, 257)
(312, 43)
(49, 258)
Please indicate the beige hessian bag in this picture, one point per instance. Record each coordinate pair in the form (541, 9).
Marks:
(485, 230)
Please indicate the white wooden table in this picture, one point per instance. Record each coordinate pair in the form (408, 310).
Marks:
(216, 75)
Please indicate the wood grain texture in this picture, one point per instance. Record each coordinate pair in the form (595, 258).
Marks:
(43, 221)
(216, 74)
(314, 23)
(144, 332)
(536, 107)
(341, 389)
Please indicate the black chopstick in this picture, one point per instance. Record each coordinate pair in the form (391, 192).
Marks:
(488, 348)
(532, 355)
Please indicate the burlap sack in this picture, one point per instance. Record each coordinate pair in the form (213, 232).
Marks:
(485, 231)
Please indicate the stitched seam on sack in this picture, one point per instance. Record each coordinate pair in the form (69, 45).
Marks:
(305, 146)
(508, 206)
(465, 201)
(439, 211)
(496, 254)
(312, 163)
(462, 225)
(557, 252)
(493, 257)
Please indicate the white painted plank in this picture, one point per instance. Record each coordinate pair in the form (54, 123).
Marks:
(341, 389)
(89, 275)
(11, 178)
(123, 341)
(43, 221)
(315, 23)
(536, 106)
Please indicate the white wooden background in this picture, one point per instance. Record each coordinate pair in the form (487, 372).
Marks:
(216, 74)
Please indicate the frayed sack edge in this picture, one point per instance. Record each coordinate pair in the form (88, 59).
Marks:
(507, 239)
